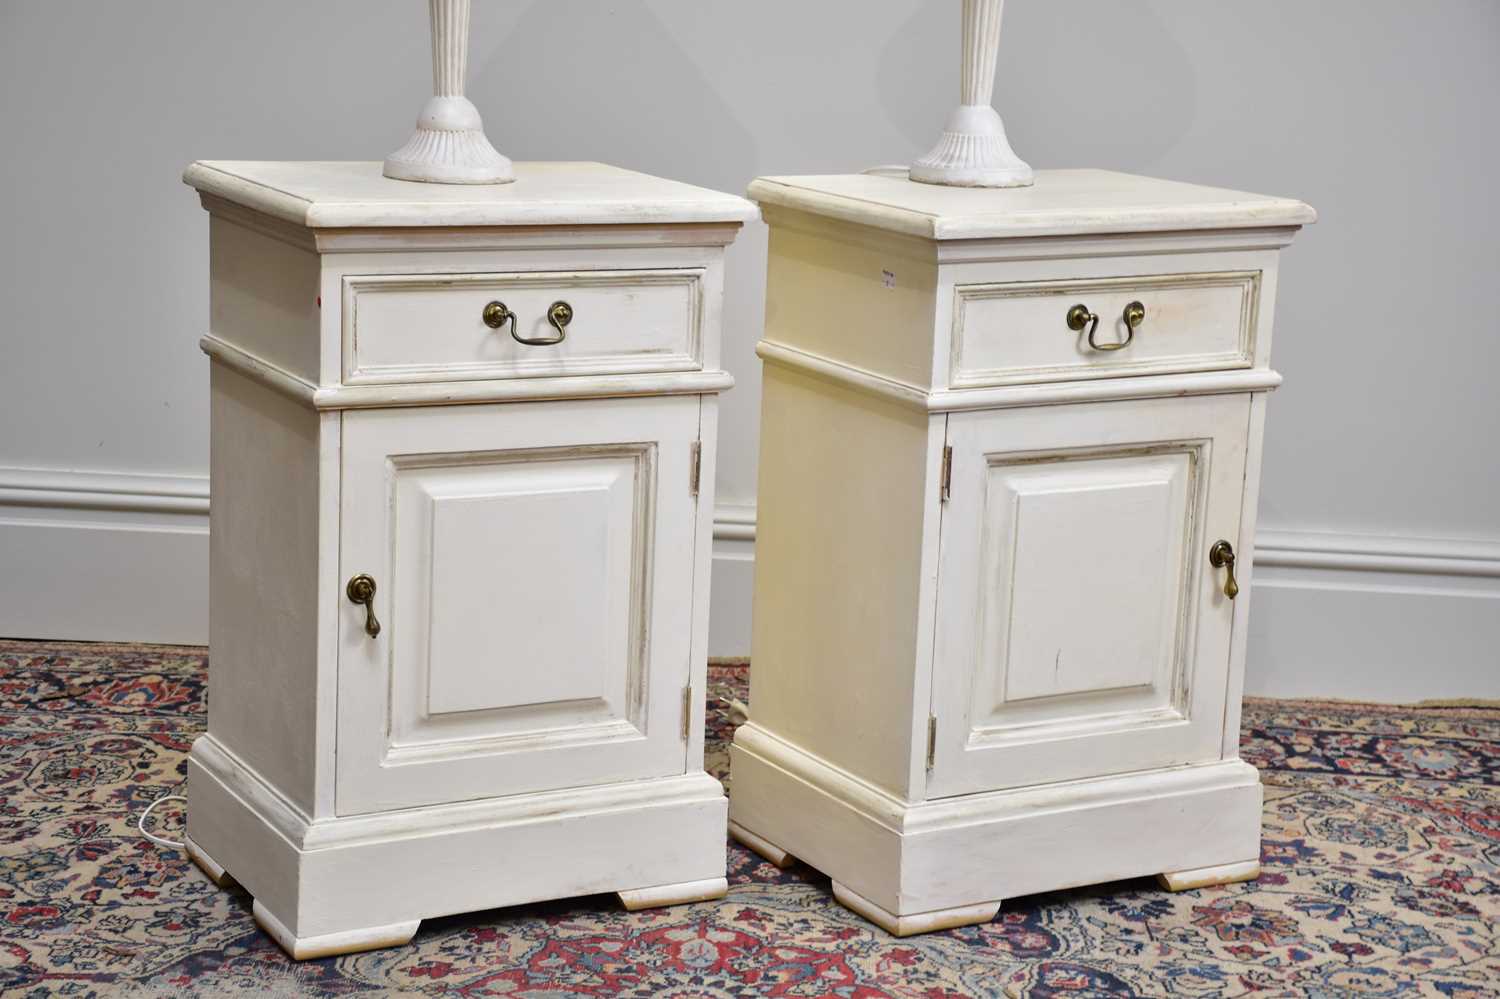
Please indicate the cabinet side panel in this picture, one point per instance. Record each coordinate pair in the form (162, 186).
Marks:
(264, 296)
(852, 295)
(838, 574)
(263, 572)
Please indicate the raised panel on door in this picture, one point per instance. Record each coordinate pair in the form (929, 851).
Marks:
(1080, 628)
(533, 566)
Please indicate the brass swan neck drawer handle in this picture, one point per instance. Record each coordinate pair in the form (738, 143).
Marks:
(1221, 556)
(361, 590)
(560, 314)
(1079, 317)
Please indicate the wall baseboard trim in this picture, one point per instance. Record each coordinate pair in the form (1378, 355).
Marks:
(108, 556)
(103, 556)
(734, 522)
(1377, 553)
(45, 488)
(1374, 617)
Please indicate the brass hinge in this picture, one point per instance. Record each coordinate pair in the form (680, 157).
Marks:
(947, 488)
(687, 711)
(697, 469)
(931, 740)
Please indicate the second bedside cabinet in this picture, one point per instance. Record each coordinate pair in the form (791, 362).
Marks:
(1010, 448)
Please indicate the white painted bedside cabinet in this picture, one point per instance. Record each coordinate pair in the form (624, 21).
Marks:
(462, 487)
(1010, 449)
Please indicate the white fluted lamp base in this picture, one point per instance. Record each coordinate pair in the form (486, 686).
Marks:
(973, 152)
(449, 147)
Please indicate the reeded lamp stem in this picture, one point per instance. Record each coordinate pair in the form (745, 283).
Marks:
(973, 150)
(449, 145)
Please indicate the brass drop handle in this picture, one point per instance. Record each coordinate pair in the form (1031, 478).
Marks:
(361, 590)
(1221, 556)
(559, 314)
(1079, 316)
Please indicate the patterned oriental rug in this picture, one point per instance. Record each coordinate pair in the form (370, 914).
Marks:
(1381, 858)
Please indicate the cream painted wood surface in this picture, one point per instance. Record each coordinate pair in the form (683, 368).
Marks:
(1019, 331)
(1037, 671)
(263, 294)
(353, 877)
(932, 857)
(1080, 630)
(853, 295)
(517, 714)
(334, 195)
(264, 584)
(537, 566)
(622, 321)
(1062, 203)
(823, 650)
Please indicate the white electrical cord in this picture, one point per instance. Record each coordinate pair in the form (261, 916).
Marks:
(159, 840)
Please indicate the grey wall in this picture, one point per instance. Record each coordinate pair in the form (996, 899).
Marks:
(1380, 114)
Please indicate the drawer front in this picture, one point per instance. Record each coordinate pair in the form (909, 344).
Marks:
(1082, 627)
(530, 626)
(431, 327)
(1020, 332)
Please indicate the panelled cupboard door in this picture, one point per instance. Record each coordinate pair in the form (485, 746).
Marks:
(533, 565)
(1080, 628)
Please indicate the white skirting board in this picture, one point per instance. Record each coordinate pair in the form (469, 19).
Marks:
(97, 556)
(733, 581)
(1374, 618)
(93, 556)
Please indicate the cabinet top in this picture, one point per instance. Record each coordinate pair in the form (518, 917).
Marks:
(1062, 202)
(356, 195)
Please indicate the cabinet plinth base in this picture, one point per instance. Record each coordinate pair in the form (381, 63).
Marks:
(347, 883)
(333, 944)
(216, 873)
(911, 867)
(1207, 877)
(306, 948)
(706, 890)
(917, 922)
(764, 847)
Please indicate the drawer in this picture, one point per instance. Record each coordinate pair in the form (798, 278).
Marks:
(432, 327)
(1020, 332)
